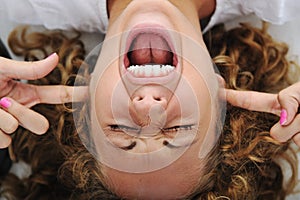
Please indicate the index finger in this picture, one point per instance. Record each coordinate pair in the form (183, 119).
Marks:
(27, 70)
(255, 101)
(61, 94)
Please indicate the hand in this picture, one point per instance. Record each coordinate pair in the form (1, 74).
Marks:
(17, 97)
(284, 104)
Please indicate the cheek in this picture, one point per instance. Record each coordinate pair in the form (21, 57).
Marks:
(194, 95)
(206, 122)
(203, 96)
(204, 100)
(104, 91)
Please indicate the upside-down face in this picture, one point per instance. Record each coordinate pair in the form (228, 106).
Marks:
(154, 100)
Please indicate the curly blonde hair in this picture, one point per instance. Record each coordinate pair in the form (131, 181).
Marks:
(242, 165)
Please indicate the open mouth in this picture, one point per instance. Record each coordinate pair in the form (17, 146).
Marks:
(150, 53)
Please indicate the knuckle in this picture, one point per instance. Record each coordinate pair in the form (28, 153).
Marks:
(65, 95)
(246, 102)
(282, 93)
(276, 133)
(288, 99)
(5, 140)
(286, 95)
(296, 139)
(297, 119)
(273, 134)
(284, 134)
(11, 126)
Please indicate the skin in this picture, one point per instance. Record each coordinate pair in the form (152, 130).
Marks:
(18, 93)
(178, 178)
(286, 100)
(173, 182)
(129, 184)
(23, 96)
(204, 8)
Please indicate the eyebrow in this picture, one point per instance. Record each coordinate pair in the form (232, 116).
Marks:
(172, 146)
(133, 144)
(129, 147)
(169, 145)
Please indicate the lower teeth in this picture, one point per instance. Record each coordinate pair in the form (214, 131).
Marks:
(150, 70)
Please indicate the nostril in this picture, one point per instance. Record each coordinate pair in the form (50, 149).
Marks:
(157, 99)
(138, 98)
(142, 98)
(149, 99)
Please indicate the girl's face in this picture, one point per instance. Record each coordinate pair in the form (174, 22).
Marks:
(153, 100)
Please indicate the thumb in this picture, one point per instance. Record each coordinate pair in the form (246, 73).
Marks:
(28, 70)
(255, 101)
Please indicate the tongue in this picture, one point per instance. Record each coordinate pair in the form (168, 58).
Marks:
(150, 48)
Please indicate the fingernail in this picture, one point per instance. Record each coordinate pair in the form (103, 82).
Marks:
(283, 117)
(51, 55)
(5, 102)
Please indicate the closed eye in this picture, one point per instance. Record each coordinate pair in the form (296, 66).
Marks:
(184, 141)
(169, 130)
(121, 140)
(118, 127)
(178, 128)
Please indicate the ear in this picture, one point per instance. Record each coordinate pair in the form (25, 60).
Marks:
(221, 81)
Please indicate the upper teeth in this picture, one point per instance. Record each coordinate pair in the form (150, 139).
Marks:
(150, 70)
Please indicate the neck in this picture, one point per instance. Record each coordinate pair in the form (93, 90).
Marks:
(205, 8)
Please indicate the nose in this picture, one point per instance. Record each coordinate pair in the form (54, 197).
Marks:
(149, 112)
(149, 105)
(143, 103)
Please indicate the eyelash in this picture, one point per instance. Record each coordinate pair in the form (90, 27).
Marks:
(178, 128)
(116, 127)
